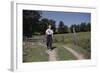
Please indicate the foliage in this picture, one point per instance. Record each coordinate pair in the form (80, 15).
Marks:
(83, 27)
(62, 28)
(30, 22)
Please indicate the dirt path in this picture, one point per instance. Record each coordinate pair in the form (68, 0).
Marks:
(75, 53)
(52, 55)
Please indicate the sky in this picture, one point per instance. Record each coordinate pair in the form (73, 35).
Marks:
(68, 18)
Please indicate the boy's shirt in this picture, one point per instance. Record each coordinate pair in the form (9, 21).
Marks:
(49, 32)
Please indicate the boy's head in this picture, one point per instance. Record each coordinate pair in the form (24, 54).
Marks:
(49, 26)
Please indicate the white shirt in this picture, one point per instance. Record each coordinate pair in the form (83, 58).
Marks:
(49, 32)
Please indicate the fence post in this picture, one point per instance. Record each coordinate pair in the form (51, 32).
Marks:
(75, 37)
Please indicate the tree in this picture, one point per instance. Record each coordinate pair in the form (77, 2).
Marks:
(66, 29)
(83, 27)
(77, 28)
(30, 22)
(52, 23)
(73, 26)
(61, 27)
(88, 27)
(44, 24)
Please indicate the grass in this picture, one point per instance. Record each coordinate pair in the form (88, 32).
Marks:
(80, 50)
(63, 54)
(84, 39)
(35, 54)
(63, 38)
(83, 42)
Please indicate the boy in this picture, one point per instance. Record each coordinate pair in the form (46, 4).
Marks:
(49, 37)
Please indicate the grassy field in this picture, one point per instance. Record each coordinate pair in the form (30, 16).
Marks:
(83, 42)
(37, 53)
(83, 39)
(80, 50)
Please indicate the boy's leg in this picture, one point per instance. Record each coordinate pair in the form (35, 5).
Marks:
(50, 44)
(47, 45)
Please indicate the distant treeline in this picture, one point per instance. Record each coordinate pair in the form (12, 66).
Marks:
(34, 23)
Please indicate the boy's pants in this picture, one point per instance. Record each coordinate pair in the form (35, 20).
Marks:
(49, 42)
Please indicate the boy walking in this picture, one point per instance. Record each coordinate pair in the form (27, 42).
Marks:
(49, 37)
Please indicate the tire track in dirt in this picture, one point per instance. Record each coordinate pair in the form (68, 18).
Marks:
(75, 53)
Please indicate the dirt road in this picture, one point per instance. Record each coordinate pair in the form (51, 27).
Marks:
(75, 53)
